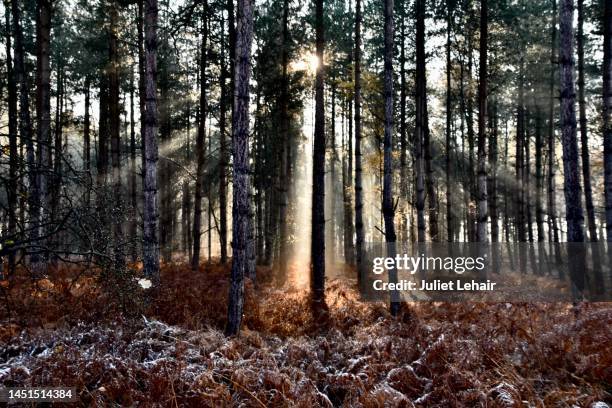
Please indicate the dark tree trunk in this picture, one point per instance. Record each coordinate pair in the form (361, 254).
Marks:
(421, 121)
(482, 127)
(25, 124)
(573, 202)
(285, 145)
(584, 139)
(430, 177)
(359, 228)
(520, 151)
(471, 218)
(552, 201)
(12, 130)
(607, 113)
(449, 120)
(387, 202)
(141, 79)
(240, 140)
(133, 184)
(200, 147)
(223, 159)
(318, 174)
(462, 163)
(43, 104)
(103, 136)
(331, 222)
(539, 145)
(87, 142)
(404, 185)
(115, 136)
(56, 178)
(492, 181)
(150, 206)
(347, 174)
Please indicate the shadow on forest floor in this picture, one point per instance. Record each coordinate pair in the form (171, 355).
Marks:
(62, 332)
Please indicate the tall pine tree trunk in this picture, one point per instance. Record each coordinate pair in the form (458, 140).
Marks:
(133, 233)
(200, 147)
(387, 202)
(573, 199)
(492, 180)
(285, 146)
(43, 106)
(471, 173)
(25, 124)
(552, 200)
(347, 184)
(584, 139)
(150, 206)
(115, 136)
(421, 113)
(240, 139)
(318, 174)
(12, 130)
(607, 114)
(539, 145)
(223, 159)
(404, 185)
(87, 142)
(449, 120)
(359, 227)
(482, 127)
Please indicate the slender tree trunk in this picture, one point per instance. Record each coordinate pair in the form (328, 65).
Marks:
(87, 142)
(133, 184)
(482, 127)
(359, 227)
(12, 130)
(527, 175)
(607, 114)
(56, 179)
(421, 109)
(347, 174)
(573, 203)
(318, 174)
(285, 145)
(25, 125)
(241, 206)
(520, 151)
(387, 202)
(471, 219)
(449, 119)
(223, 159)
(200, 146)
(584, 140)
(430, 177)
(103, 139)
(150, 207)
(43, 105)
(539, 144)
(331, 223)
(115, 135)
(404, 185)
(492, 182)
(552, 201)
(462, 163)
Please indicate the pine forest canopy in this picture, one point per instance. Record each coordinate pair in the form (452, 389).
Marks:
(289, 134)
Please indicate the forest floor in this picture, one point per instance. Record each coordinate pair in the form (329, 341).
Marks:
(170, 351)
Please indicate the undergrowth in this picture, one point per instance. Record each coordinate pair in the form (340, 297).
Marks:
(67, 331)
